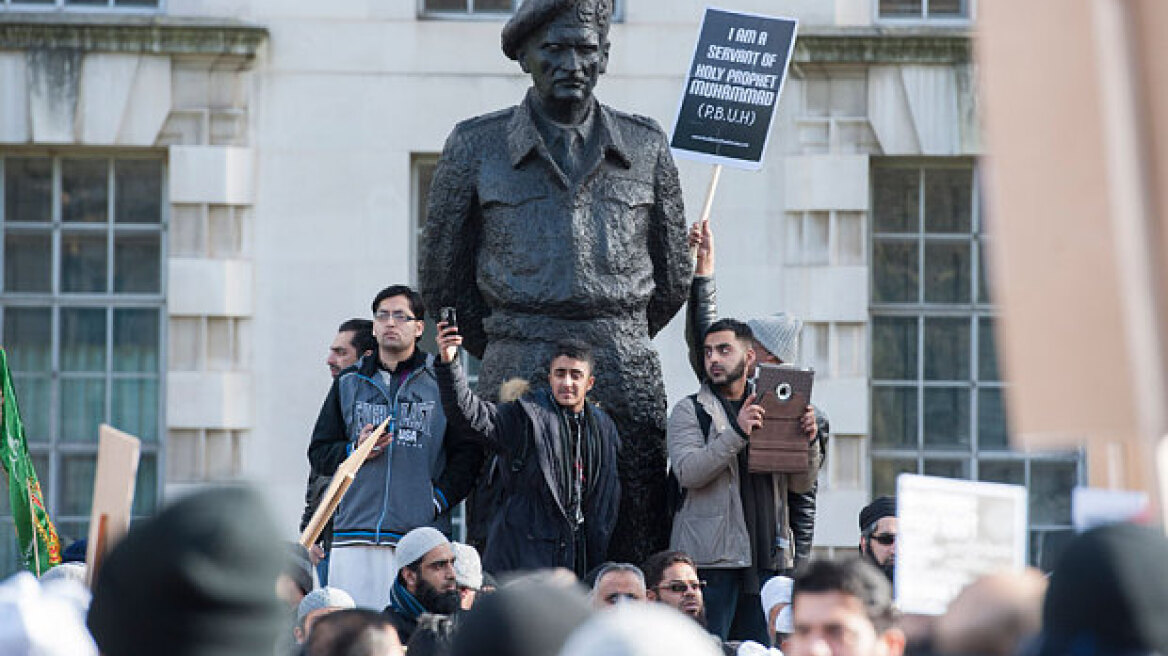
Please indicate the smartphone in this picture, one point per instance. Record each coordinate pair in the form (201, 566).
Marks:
(448, 315)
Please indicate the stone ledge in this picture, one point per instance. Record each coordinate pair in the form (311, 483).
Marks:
(884, 45)
(161, 35)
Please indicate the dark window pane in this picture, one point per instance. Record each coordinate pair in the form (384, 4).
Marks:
(137, 262)
(447, 5)
(33, 395)
(137, 190)
(948, 8)
(9, 550)
(1050, 491)
(948, 207)
(987, 351)
(83, 260)
(1002, 471)
(983, 285)
(82, 408)
(136, 340)
(895, 271)
(896, 202)
(84, 190)
(146, 485)
(135, 407)
(885, 471)
(947, 418)
(947, 272)
(947, 468)
(992, 430)
(28, 261)
(894, 348)
(83, 339)
(946, 348)
(900, 8)
(100, 3)
(28, 189)
(894, 417)
(136, 3)
(28, 338)
(77, 473)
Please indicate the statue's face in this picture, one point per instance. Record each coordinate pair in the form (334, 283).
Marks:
(565, 59)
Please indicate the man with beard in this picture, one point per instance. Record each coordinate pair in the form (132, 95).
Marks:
(671, 578)
(878, 534)
(426, 582)
(729, 521)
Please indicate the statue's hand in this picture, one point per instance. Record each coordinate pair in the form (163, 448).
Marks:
(448, 342)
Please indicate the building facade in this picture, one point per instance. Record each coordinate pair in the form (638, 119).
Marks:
(197, 192)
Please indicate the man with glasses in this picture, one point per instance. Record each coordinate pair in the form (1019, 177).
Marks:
(671, 578)
(416, 472)
(618, 583)
(878, 534)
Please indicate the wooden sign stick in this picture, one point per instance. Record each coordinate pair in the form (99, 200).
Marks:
(708, 205)
(342, 479)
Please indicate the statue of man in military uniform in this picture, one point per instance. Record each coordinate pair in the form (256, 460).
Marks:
(562, 218)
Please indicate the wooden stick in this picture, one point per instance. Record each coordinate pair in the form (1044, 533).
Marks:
(101, 546)
(342, 479)
(708, 205)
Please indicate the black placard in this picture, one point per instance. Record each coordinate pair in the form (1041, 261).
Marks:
(733, 87)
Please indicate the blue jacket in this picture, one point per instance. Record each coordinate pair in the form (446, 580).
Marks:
(425, 471)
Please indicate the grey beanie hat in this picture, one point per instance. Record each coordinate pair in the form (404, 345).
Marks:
(468, 567)
(325, 597)
(417, 543)
(779, 334)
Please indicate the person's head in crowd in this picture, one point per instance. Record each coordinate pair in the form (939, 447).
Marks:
(353, 632)
(776, 597)
(618, 583)
(1108, 594)
(992, 616)
(843, 608)
(354, 339)
(570, 373)
(399, 315)
(531, 616)
(468, 573)
(317, 604)
(427, 570)
(728, 354)
(434, 635)
(44, 618)
(197, 579)
(75, 552)
(295, 580)
(776, 338)
(671, 578)
(641, 630)
(878, 533)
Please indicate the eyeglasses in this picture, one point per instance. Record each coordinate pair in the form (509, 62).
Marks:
(680, 587)
(384, 316)
(885, 539)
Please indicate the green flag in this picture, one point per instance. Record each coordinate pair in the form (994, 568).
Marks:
(40, 548)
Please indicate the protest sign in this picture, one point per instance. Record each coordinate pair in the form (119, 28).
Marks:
(732, 89)
(113, 494)
(342, 479)
(949, 533)
(1091, 507)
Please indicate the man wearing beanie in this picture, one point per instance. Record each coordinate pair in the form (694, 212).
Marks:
(468, 573)
(198, 579)
(562, 218)
(878, 534)
(425, 583)
(317, 604)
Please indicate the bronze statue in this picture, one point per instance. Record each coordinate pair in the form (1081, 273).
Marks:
(562, 218)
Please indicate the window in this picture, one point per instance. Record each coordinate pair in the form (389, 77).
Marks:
(931, 10)
(937, 404)
(482, 8)
(82, 5)
(824, 237)
(81, 317)
(833, 114)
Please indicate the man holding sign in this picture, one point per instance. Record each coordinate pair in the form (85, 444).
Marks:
(562, 218)
(418, 469)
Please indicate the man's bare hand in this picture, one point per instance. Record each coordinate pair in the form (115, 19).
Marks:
(382, 442)
(316, 554)
(810, 426)
(701, 242)
(448, 342)
(750, 416)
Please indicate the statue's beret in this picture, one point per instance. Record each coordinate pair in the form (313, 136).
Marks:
(533, 14)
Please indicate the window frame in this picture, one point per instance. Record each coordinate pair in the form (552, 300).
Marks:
(924, 18)
(55, 448)
(472, 15)
(63, 6)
